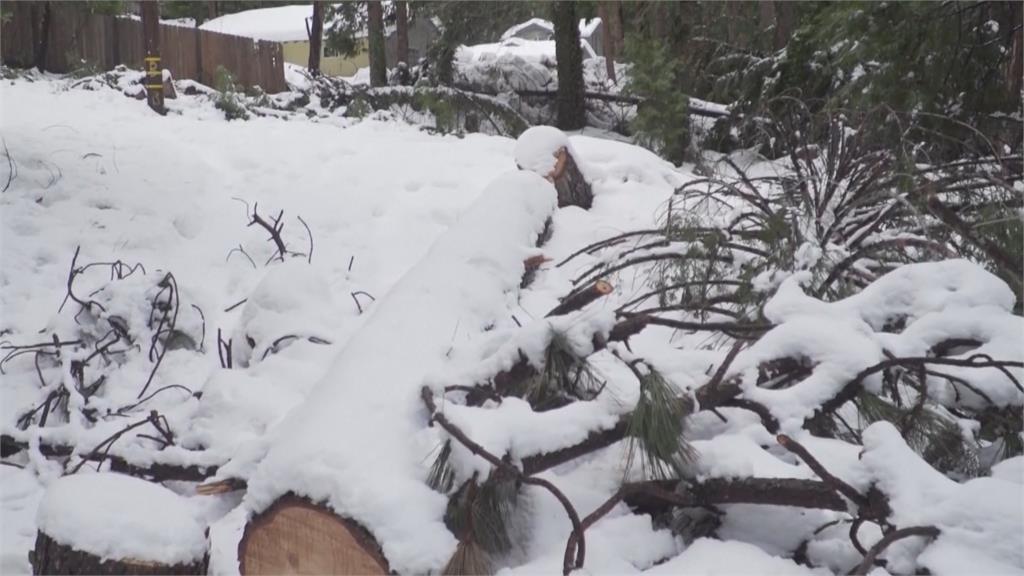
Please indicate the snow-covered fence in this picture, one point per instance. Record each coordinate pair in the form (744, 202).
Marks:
(74, 40)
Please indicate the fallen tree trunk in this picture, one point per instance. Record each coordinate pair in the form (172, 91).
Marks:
(349, 448)
(295, 536)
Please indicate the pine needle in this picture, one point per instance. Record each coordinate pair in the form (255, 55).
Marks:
(567, 376)
(442, 475)
(656, 429)
(469, 559)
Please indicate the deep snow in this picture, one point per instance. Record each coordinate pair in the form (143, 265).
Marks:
(100, 171)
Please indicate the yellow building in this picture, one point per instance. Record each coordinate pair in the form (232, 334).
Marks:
(297, 52)
(289, 26)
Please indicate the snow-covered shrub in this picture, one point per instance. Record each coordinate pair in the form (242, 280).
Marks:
(230, 101)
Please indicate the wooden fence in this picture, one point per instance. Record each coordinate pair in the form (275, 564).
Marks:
(76, 39)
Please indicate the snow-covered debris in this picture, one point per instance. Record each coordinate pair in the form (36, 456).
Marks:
(979, 521)
(907, 313)
(292, 302)
(353, 443)
(120, 517)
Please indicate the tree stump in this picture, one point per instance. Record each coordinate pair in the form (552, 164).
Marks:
(573, 189)
(546, 151)
(107, 523)
(294, 536)
(52, 557)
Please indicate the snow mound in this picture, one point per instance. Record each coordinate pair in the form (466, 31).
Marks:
(979, 520)
(354, 444)
(707, 557)
(292, 301)
(536, 149)
(117, 516)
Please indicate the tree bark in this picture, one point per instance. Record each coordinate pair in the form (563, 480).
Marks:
(570, 102)
(767, 21)
(378, 63)
(1015, 65)
(572, 187)
(51, 557)
(607, 42)
(151, 45)
(41, 33)
(295, 536)
(785, 21)
(402, 31)
(316, 36)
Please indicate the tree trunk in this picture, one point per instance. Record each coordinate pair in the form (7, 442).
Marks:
(607, 42)
(785, 20)
(40, 33)
(614, 27)
(51, 557)
(316, 35)
(378, 64)
(1015, 65)
(296, 537)
(212, 9)
(571, 109)
(402, 31)
(767, 24)
(151, 46)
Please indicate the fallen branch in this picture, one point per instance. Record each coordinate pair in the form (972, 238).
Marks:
(455, 432)
(869, 559)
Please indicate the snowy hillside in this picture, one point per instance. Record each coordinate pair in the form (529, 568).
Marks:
(328, 308)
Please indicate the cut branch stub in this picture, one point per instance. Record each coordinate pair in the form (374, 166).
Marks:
(581, 298)
(573, 189)
(296, 537)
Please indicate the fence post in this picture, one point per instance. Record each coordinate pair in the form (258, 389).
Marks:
(151, 44)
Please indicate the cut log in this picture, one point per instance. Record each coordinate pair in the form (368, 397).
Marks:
(573, 189)
(296, 537)
(547, 151)
(52, 557)
(114, 524)
(351, 446)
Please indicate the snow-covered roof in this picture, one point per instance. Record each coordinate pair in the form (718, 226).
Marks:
(526, 49)
(587, 27)
(277, 24)
(538, 22)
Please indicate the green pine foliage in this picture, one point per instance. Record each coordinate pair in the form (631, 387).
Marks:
(661, 121)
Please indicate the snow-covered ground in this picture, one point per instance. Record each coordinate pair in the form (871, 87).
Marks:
(101, 172)
(100, 176)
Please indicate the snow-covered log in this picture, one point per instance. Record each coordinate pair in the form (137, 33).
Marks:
(296, 537)
(115, 524)
(547, 151)
(355, 448)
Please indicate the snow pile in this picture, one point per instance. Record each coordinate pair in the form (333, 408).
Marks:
(707, 557)
(292, 302)
(979, 521)
(120, 517)
(352, 443)
(537, 149)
